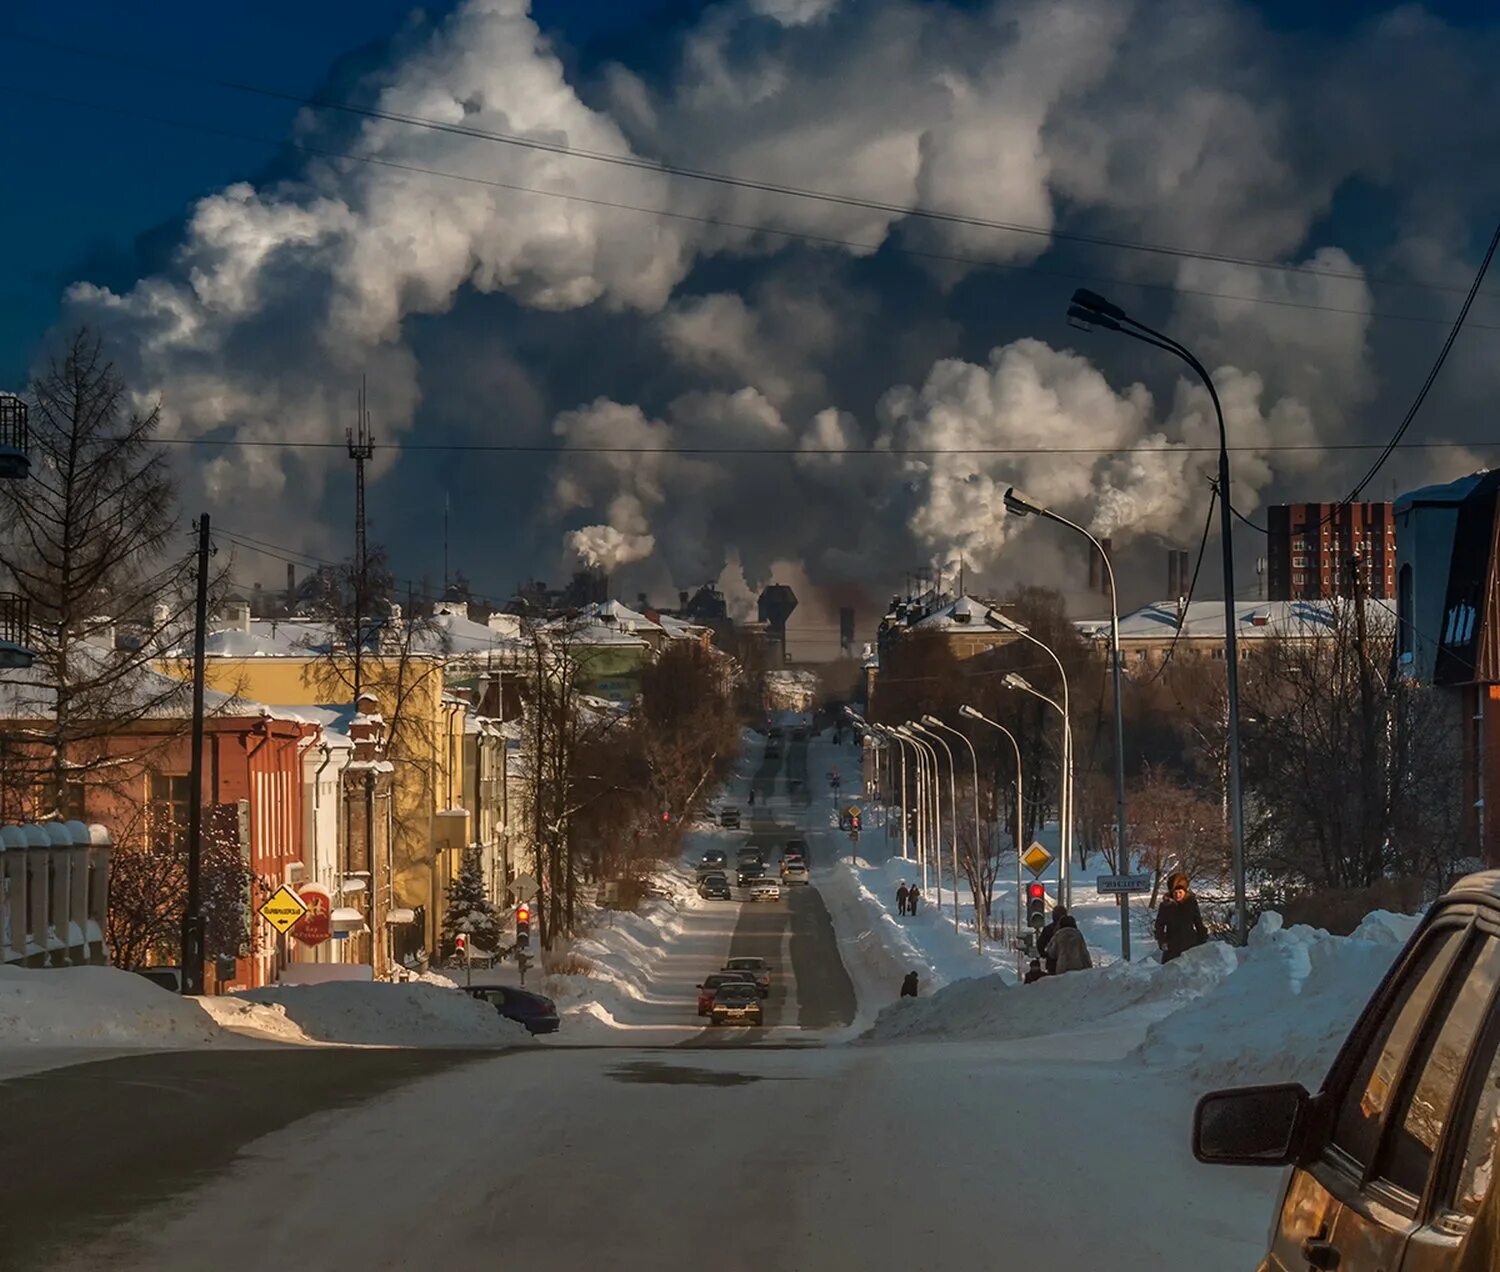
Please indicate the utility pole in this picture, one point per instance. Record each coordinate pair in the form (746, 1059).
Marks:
(192, 914)
(361, 447)
(1369, 779)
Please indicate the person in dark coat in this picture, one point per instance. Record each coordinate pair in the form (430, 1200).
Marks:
(1044, 937)
(1179, 925)
(1034, 973)
(909, 986)
(901, 899)
(912, 897)
(1067, 951)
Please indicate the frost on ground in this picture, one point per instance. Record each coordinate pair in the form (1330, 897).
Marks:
(96, 1007)
(410, 1014)
(1276, 1011)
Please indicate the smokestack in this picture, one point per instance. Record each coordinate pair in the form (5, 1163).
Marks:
(1094, 571)
(642, 603)
(846, 632)
(1174, 578)
(1109, 555)
(1184, 575)
(291, 584)
(682, 599)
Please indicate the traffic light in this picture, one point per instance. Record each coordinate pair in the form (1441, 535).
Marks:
(523, 927)
(461, 945)
(1036, 905)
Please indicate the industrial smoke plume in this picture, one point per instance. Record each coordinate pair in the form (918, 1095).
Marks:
(1160, 123)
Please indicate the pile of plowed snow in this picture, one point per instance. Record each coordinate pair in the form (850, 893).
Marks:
(368, 1013)
(989, 1007)
(1275, 1011)
(1283, 1014)
(96, 1007)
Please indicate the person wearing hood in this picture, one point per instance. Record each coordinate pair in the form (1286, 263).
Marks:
(1179, 924)
(1044, 937)
(1068, 951)
(909, 985)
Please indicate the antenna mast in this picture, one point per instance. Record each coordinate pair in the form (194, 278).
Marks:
(361, 447)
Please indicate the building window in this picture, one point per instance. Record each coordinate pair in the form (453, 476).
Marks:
(1299, 562)
(168, 815)
(1299, 578)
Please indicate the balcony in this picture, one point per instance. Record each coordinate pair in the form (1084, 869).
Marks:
(14, 438)
(15, 631)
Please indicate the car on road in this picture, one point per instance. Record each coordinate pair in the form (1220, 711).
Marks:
(749, 873)
(715, 887)
(712, 862)
(754, 966)
(766, 888)
(796, 848)
(537, 1012)
(794, 871)
(713, 984)
(729, 817)
(737, 1005)
(1393, 1159)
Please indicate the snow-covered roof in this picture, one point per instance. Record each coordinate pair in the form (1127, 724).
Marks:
(680, 629)
(599, 634)
(144, 693)
(966, 611)
(1254, 620)
(442, 635)
(617, 614)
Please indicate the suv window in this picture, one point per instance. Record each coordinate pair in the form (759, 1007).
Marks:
(1356, 1129)
(1438, 1069)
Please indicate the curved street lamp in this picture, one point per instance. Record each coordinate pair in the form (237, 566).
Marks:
(927, 804)
(953, 811)
(1088, 310)
(884, 732)
(1013, 680)
(970, 713)
(974, 756)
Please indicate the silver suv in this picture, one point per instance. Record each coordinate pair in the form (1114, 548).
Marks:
(1394, 1157)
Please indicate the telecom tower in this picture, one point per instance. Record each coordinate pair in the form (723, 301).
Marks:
(361, 447)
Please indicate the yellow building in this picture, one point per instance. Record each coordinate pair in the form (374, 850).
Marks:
(278, 664)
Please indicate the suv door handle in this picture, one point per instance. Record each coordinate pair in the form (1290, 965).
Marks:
(1321, 1254)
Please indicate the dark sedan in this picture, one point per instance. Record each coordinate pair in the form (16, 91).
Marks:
(536, 1012)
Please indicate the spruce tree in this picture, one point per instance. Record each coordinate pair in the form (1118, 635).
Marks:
(469, 910)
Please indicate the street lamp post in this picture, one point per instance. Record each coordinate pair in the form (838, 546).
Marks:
(1065, 799)
(1019, 505)
(972, 714)
(1088, 310)
(953, 814)
(928, 796)
(886, 733)
(1068, 814)
(973, 755)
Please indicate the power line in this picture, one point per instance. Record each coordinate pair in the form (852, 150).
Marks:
(981, 264)
(1192, 585)
(662, 168)
(897, 452)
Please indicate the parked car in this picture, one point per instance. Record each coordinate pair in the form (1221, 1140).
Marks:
(169, 978)
(713, 984)
(537, 1013)
(766, 888)
(729, 817)
(737, 1005)
(755, 967)
(715, 887)
(794, 871)
(1393, 1157)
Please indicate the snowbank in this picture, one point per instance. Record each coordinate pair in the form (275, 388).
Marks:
(378, 1014)
(992, 1007)
(96, 1006)
(1283, 1014)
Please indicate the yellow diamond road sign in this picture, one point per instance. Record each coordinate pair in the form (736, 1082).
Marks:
(1035, 859)
(283, 908)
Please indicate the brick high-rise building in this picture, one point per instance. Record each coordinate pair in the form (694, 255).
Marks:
(1310, 544)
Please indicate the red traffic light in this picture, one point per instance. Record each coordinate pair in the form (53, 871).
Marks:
(523, 915)
(1035, 891)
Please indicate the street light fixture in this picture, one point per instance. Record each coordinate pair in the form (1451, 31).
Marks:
(1092, 310)
(889, 736)
(953, 811)
(970, 713)
(928, 805)
(935, 723)
(1014, 680)
(1067, 814)
(1020, 505)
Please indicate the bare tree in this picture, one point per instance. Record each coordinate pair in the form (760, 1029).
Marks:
(91, 542)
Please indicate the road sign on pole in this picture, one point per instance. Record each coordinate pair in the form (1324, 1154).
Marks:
(1122, 884)
(1036, 859)
(282, 909)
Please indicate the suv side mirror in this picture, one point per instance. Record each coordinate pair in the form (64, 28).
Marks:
(1251, 1126)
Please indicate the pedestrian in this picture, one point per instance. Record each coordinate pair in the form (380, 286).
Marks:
(1179, 924)
(1034, 973)
(1044, 937)
(1068, 951)
(912, 897)
(901, 899)
(752, 797)
(909, 986)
